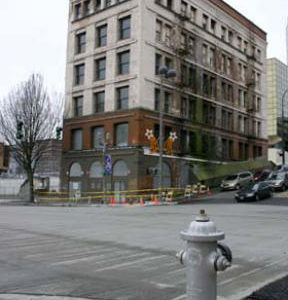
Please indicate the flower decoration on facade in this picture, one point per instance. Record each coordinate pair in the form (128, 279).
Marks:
(153, 141)
(173, 136)
(149, 133)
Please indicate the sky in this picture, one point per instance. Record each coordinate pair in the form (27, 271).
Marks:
(33, 37)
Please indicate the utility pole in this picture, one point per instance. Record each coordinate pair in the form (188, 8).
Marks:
(164, 73)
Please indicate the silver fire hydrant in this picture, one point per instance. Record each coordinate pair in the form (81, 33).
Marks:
(203, 257)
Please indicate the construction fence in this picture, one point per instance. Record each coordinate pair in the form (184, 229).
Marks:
(173, 194)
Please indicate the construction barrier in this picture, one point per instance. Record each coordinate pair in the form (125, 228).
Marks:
(126, 197)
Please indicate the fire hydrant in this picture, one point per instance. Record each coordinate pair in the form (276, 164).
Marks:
(203, 257)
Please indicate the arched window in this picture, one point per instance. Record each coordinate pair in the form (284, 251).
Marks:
(166, 176)
(75, 170)
(96, 170)
(120, 169)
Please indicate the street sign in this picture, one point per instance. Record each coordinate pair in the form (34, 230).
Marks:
(107, 164)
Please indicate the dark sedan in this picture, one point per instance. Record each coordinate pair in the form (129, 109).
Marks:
(254, 192)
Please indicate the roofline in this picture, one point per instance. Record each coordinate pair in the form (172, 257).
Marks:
(240, 18)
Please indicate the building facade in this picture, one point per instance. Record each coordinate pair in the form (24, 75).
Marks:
(216, 103)
(277, 108)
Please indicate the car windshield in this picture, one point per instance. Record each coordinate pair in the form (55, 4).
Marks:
(277, 176)
(231, 177)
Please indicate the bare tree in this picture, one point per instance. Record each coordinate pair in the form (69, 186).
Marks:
(29, 103)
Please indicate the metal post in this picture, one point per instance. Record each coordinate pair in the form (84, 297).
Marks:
(104, 174)
(283, 131)
(162, 99)
(164, 73)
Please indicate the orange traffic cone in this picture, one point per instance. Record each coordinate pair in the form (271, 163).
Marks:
(141, 201)
(155, 200)
(208, 191)
(123, 201)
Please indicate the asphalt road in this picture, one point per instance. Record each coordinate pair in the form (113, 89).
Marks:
(128, 253)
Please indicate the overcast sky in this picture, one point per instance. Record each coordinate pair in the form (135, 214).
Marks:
(33, 37)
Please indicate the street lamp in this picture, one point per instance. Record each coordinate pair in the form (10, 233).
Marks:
(164, 72)
(283, 132)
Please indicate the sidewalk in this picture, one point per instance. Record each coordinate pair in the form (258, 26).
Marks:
(277, 290)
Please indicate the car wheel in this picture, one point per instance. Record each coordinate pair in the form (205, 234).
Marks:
(237, 187)
(283, 188)
(257, 198)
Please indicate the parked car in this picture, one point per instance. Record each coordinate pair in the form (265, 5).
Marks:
(236, 181)
(261, 175)
(254, 192)
(278, 180)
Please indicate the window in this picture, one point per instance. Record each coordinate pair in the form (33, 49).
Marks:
(211, 58)
(76, 139)
(79, 74)
(205, 21)
(80, 42)
(168, 63)
(159, 29)
(122, 98)
(213, 25)
(193, 13)
(183, 75)
(239, 43)
(108, 3)
(183, 109)
(168, 34)
(230, 37)
(192, 78)
(158, 59)
(100, 68)
(123, 62)
(192, 141)
(97, 5)
(167, 102)
(78, 106)
(99, 102)
(157, 95)
(184, 8)
(213, 87)
(121, 134)
(124, 28)
(101, 36)
(192, 109)
(205, 54)
(170, 4)
(87, 7)
(223, 33)
(205, 85)
(191, 46)
(77, 11)
(98, 136)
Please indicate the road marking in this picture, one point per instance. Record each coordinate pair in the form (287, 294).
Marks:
(74, 261)
(129, 263)
(256, 270)
(182, 297)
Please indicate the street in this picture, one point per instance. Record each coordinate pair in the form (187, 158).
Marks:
(129, 252)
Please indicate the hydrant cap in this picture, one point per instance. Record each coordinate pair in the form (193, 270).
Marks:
(202, 230)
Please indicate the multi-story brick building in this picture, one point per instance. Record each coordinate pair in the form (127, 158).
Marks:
(216, 104)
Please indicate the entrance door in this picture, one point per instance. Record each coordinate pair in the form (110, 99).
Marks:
(119, 186)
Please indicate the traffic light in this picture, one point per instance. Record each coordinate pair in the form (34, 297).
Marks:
(19, 133)
(58, 132)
